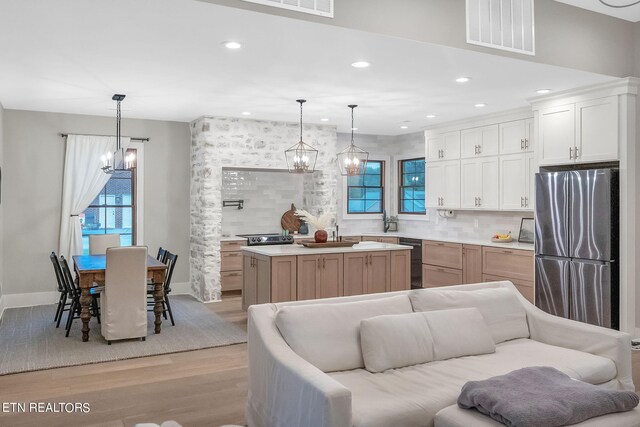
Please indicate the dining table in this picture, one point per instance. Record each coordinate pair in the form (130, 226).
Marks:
(91, 271)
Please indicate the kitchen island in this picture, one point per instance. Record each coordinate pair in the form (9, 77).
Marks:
(293, 272)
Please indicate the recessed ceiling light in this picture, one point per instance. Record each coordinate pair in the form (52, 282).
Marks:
(543, 91)
(480, 105)
(246, 113)
(404, 127)
(431, 116)
(324, 120)
(361, 64)
(232, 45)
(463, 79)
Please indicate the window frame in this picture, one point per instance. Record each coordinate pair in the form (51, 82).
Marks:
(401, 187)
(382, 187)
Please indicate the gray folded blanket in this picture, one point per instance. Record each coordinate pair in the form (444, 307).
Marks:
(542, 396)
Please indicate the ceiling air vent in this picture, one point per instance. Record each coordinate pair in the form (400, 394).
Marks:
(314, 7)
(502, 24)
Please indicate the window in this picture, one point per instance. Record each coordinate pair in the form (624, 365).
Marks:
(113, 211)
(366, 191)
(411, 189)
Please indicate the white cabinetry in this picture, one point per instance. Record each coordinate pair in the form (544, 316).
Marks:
(581, 132)
(445, 146)
(479, 183)
(480, 141)
(443, 185)
(517, 175)
(516, 137)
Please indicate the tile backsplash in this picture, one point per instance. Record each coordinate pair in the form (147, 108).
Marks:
(266, 194)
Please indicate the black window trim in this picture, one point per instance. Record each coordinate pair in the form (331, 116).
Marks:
(382, 187)
(401, 187)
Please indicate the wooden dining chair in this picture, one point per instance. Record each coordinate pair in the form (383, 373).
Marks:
(123, 298)
(74, 292)
(98, 243)
(170, 260)
(62, 289)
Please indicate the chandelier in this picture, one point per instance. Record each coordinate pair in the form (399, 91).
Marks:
(119, 159)
(301, 157)
(352, 160)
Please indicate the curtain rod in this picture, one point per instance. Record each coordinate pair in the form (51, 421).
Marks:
(64, 135)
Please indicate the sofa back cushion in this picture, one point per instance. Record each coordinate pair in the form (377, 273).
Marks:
(459, 332)
(500, 308)
(328, 335)
(395, 341)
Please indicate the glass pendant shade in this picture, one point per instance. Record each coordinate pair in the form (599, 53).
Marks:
(352, 160)
(301, 157)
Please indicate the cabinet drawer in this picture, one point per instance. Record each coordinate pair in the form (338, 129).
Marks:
(434, 276)
(442, 254)
(380, 239)
(230, 261)
(232, 245)
(525, 287)
(231, 280)
(511, 263)
(351, 238)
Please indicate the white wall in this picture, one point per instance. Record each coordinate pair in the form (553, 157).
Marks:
(267, 196)
(566, 36)
(32, 190)
(1, 207)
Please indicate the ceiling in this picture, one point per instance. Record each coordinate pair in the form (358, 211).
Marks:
(166, 56)
(631, 13)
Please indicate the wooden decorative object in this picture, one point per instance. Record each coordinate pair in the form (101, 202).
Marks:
(290, 221)
(312, 244)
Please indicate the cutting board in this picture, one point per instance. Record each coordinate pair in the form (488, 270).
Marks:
(290, 221)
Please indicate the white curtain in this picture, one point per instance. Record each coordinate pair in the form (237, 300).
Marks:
(83, 180)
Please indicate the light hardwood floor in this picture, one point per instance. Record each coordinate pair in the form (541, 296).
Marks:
(196, 388)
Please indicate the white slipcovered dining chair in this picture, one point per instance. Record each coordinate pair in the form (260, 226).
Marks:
(124, 297)
(98, 243)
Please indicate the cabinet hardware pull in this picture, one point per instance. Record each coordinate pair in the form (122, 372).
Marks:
(576, 153)
(526, 202)
(479, 149)
(318, 263)
(522, 144)
(526, 143)
(522, 202)
(324, 262)
(232, 254)
(233, 274)
(479, 201)
(570, 153)
(475, 149)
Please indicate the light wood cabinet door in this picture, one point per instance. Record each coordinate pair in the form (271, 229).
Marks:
(351, 238)
(331, 276)
(232, 245)
(556, 135)
(231, 280)
(249, 282)
(355, 273)
(471, 264)
(400, 270)
(378, 272)
(308, 276)
(512, 263)
(283, 278)
(525, 287)
(262, 265)
(380, 239)
(597, 130)
(442, 254)
(434, 276)
(230, 261)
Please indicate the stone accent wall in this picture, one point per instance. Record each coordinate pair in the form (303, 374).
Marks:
(228, 142)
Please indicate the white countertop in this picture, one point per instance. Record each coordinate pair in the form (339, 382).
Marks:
(295, 249)
(452, 239)
(238, 238)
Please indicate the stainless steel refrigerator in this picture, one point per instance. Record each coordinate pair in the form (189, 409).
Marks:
(576, 245)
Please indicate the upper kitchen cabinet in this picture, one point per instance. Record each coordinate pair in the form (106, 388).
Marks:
(443, 185)
(480, 141)
(444, 146)
(516, 136)
(479, 186)
(583, 128)
(517, 173)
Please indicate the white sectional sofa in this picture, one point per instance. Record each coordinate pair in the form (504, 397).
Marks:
(309, 365)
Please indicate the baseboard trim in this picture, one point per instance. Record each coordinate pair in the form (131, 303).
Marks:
(29, 299)
(1, 306)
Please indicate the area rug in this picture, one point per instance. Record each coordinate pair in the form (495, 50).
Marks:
(29, 340)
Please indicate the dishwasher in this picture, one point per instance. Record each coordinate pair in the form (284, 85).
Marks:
(416, 260)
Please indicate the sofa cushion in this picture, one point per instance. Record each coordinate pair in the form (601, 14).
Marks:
(500, 307)
(328, 335)
(395, 341)
(459, 332)
(413, 395)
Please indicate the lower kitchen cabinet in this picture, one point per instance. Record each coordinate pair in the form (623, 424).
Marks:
(434, 276)
(355, 273)
(511, 263)
(256, 277)
(471, 264)
(380, 239)
(367, 272)
(400, 271)
(525, 287)
(442, 254)
(283, 278)
(319, 276)
(378, 272)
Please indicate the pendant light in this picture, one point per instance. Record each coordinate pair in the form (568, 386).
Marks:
(352, 160)
(301, 158)
(119, 160)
